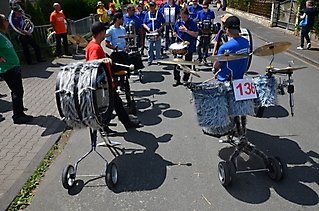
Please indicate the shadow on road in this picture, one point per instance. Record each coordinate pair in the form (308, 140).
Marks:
(302, 170)
(51, 124)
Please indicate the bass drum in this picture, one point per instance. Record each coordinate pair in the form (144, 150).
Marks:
(84, 95)
(246, 34)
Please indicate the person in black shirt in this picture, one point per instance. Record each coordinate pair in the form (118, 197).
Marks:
(311, 14)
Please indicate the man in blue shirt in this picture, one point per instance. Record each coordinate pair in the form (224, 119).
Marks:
(235, 45)
(205, 15)
(153, 25)
(170, 11)
(185, 29)
(194, 9)
(140, 13)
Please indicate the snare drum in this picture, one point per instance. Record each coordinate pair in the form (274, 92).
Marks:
(266, 87)
(178, 48)
(152, 36)
(84, 95)
(212, 107)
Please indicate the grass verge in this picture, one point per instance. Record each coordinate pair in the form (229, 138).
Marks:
(24, 198)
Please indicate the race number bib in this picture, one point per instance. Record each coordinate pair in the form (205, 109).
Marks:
(244, 89)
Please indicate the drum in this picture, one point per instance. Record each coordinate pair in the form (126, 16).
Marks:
(136, 60)
(266, 88)
(152, 36)
(179, 48)
(84, 95)
(206, 27)
(212, 107)
(241, 107)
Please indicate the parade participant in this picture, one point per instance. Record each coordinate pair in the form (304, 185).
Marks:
(186, 29)
(170, 11)
(140, 13)
(232, 70)
(153, 24)
(94, 51)
(194, 9)
(220, 37)
(10, 72)
(235, 45)
(58, 22)
(132, 23)
(102, 13)
(204, 15)
(310, 14)
(24, 36)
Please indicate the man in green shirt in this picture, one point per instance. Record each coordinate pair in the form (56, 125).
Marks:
(11, 73)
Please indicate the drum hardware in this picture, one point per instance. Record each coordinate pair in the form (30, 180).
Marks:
(227, 57)
(177, 61)
(179, 48)
(272, 48)
(188, 70)
(286, 70)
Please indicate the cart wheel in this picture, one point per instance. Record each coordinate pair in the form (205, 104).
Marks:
(275, 169)
(224, 173)
(283, 170)
(68, 177)
(111, 175)
(141, 76)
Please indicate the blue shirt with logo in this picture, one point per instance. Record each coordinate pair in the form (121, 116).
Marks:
(193, 11)
(158, 22)
(138, 23)
(191, 26)
(238, 45)
(202, 15)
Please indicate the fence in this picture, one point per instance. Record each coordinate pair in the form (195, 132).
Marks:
(285, 14)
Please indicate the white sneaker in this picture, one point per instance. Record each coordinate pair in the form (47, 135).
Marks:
(299, 48)
(308, 45)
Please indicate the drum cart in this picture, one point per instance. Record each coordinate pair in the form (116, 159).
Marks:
(111, 174)
(227, 170)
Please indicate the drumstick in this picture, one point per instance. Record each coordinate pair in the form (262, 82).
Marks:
(213, 78)
(131, 66)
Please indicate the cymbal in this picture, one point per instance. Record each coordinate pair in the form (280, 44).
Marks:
(179, 61)
(127, 36)
(287, 70)
(272, 48)
(227, 57)
(78, 40)
(188, 70)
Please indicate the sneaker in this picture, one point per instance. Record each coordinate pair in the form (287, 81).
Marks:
(205, 61)
(22, 119)
(308, 45)
(299, 48)
(177, 83)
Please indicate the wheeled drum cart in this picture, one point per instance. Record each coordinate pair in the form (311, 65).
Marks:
(84, 99)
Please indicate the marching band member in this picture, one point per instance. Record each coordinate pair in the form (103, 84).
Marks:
(153, 24)
(194, 9)
(220, 37)
(94, 51)
(140, 13)
(208, 15)
(170, 11)
(133, 25)
(186, 29)
(235, 45)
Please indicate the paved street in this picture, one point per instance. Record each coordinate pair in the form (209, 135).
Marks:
(175, 165)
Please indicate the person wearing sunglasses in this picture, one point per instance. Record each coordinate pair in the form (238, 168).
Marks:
(194, 9)
(10, 72)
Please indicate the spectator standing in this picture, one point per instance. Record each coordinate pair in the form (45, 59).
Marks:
(102, 13)
(58, 22)
(309, 15)
(25, 37)
(10, 72)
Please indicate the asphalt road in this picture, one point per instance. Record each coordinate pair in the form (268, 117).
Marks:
(175, 165)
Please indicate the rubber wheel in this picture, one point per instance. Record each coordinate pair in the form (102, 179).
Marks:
(283, 169)
(275, 169)
(224, 173)
(141, 76)
(68, 177)
(111, 175)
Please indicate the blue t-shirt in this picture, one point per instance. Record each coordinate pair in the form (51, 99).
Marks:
(191, 26)
(209, 15)
(158, 21)
(193, 11)
(141, 15)
(138, 23)
(238, 45)
(115, 33)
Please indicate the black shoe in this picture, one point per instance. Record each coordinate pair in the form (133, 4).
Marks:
(134, 124)
(177, 83)
(22, 119)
